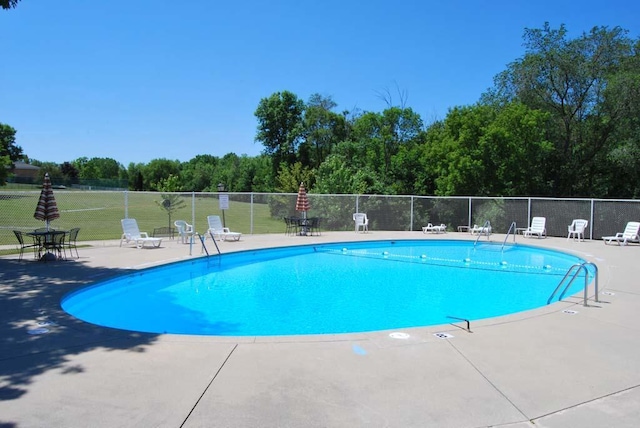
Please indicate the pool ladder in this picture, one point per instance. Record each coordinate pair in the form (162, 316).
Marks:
(512, 227)
(204, 247)
(573, 273)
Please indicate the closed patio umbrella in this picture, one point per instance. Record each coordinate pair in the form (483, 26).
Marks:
(302, 202)
(47, 208)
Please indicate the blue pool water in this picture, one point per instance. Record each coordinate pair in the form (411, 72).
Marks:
(328, 288)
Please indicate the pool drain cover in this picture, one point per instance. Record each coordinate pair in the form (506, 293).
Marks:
(443, 335)
(399, 335)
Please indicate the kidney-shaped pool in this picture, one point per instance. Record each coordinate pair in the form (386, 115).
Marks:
(327, 288)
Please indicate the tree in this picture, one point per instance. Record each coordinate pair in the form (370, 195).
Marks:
(158, 170)
(98, 168)
(280, 127)
(381, 135)
(70, 172)
(570, 80)
(198, 174)
(9, 151)
(485, 151)
(105, 172)
(51, 168)
(171, 202)
(323, 129)
(8, 4)
(258, 174)
(135, 171)
(290, 177)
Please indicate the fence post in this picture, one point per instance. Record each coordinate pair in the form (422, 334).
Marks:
(411, 216)
(126, 204)
(469, 219)
(591, 220)
(193, 210)
(251, 213)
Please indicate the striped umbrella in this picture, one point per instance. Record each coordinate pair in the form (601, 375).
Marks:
(302, 203)
(47, 208)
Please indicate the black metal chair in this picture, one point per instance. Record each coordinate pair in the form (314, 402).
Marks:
(292, 225)
(23, 245)
(314, 226)
(55, 242)
(71, 241)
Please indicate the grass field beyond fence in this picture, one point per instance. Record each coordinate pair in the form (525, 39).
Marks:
(98, 213)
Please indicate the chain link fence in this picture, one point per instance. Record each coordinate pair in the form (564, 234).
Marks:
(98, 213)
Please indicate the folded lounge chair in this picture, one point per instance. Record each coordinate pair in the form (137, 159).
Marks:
(442, 228)
(217, 230)
(131, 232)
(537, 228)
(631, 234)
(480, 230)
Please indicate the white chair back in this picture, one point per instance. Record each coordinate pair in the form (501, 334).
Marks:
(361, 221)
(130, 228)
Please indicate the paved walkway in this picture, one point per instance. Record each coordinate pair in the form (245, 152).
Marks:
(542, 368)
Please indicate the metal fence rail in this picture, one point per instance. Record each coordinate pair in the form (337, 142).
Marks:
(98, 213)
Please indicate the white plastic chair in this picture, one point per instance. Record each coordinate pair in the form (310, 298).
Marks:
(576, 229)
(361, 221)
(185, 230)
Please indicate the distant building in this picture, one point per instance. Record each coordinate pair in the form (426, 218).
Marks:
(24, 173)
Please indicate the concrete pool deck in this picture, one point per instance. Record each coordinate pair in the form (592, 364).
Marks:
(541, 368)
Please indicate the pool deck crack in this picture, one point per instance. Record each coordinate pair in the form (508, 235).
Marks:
(493, 385)
(208, 385)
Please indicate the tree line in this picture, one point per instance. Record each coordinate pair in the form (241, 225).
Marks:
(563, 120)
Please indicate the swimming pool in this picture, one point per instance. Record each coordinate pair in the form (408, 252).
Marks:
(327, 288)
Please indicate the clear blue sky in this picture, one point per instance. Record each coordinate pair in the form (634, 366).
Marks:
(135, 80)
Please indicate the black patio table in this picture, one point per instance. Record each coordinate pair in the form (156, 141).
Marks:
(49, 240)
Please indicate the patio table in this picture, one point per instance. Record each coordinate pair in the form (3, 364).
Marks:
(47, 240)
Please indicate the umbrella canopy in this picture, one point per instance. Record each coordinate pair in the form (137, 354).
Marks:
(302, 203)
(47, 208)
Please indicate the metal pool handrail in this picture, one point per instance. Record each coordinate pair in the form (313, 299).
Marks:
(513, 226)
(204, 247)
(577, 267)
(486, 226)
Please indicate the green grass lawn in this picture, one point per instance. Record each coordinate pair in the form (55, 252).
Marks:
(98, 214)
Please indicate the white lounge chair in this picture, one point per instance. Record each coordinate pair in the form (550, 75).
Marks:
(441, 228)
(185, 230)
(537, 228)
(217, 230)
(631, 234)
(361, 221)
(131, 232)
(576, 229)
